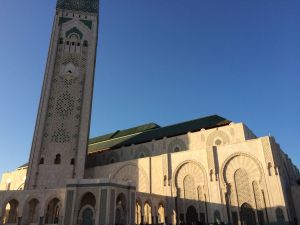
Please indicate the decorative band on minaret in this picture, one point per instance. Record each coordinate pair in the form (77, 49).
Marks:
(91, 6)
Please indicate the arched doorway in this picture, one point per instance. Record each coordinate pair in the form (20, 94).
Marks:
(11, 212)
(191, 216)
(87, 216)
(87, 209)
(121, 213)
(247, 215)
(31, 212)
(53, 209)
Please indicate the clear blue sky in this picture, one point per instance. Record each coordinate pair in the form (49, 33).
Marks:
(163, 61)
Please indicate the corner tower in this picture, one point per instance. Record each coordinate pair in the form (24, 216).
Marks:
(61, 133)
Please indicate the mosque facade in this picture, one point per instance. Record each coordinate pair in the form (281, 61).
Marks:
(203, 171)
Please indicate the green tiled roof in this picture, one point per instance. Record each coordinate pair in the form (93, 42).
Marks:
(151, 132)
(91, 6)
(118, 137)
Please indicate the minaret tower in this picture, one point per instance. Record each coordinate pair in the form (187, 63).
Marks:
(61, 134)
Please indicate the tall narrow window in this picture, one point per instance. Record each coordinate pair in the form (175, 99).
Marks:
(57, 159)
(8, 186)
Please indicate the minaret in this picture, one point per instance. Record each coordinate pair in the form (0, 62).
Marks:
(61, 134)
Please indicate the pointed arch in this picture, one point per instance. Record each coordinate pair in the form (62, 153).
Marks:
(88, 199)
(138, 211)
(161, 213)
(53, 211)
(10, 212)
(147, 212)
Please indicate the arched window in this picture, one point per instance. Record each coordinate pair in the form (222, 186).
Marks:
(280, 215)
(42, 161)
(85, 43)
(161, 213)
(218, 141)
(138, 213)
(72, 161)
(147, 213)
(57, 159)
(11, 212)
(176, 149)
(53, 210)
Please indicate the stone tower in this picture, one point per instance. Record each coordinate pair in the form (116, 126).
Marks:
(60, 139)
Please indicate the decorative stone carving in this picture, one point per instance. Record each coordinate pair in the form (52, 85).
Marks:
(217, 137)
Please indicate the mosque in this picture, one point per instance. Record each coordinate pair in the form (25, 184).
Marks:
(207, 170)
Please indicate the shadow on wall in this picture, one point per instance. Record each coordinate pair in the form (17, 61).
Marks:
(149, 209)
(191, 212)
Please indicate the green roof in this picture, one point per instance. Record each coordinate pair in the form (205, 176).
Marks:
(152, 131)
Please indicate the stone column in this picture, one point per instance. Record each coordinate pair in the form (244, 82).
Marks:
(112, 206)
(103, 207)
(132, 207)
(97, 208)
